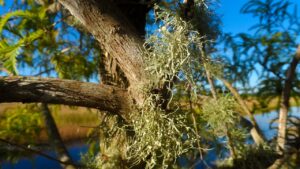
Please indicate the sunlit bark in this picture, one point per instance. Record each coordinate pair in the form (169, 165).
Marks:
(67, 92)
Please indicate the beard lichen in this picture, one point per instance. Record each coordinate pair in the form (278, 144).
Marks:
(174, 51)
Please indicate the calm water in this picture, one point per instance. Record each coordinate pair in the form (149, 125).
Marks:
(39, 162)
(264, 120)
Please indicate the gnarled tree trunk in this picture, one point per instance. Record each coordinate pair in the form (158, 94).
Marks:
(118, 39)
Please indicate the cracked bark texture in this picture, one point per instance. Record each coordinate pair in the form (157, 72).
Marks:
(117, 37)
(110, 72)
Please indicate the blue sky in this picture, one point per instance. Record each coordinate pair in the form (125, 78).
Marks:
(235, 22)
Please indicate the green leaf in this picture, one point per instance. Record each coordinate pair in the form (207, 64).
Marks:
(42, 13)
(9, 53)
(20, 13)
(8, 57)
(31, 37)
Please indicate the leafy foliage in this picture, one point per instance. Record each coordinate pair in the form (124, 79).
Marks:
(267, 51)
(8, 51)
(8, 55)
(21, 124)
(19, 13)
(38, 34)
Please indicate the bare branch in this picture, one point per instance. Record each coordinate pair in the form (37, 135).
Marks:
(67, 92)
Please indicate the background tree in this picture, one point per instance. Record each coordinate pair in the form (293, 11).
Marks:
(271, 51)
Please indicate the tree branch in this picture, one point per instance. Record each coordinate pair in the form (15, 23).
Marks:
(284, 104)
(67, 92)
(55, 139)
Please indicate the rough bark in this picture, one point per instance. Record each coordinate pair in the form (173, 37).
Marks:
(117, 37)
(255, 131)
(55, 139)
(110, 73)
(67, 92)
(284, 105)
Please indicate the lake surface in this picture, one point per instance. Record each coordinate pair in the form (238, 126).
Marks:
(264, 120)
(40, 162)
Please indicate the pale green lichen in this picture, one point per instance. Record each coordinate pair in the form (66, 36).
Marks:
(173, 51)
